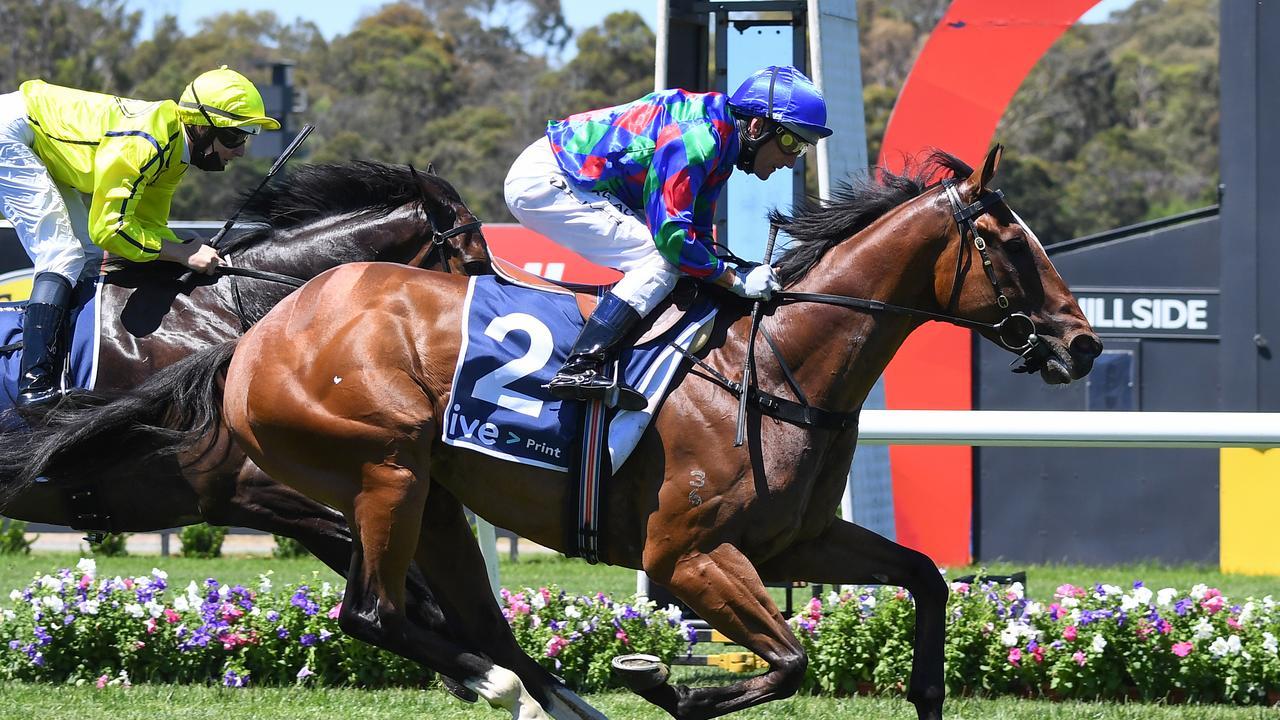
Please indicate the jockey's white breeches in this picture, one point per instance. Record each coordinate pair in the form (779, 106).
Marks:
(598, 227)
(50, 218)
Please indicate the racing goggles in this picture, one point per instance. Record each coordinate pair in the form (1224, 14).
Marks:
(231, 138)
(791, 143)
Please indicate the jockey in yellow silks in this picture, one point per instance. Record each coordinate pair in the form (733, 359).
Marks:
(84, 172)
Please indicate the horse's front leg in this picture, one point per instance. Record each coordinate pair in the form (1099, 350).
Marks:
(846, 554)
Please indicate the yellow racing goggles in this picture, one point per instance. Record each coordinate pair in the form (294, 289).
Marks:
(791, 143)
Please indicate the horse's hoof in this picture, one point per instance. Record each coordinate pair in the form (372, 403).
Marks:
(641, 672)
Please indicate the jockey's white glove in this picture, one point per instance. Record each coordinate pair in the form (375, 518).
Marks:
(756, 283)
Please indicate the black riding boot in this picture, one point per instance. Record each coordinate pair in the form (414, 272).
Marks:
(583, 375)
(43, 343)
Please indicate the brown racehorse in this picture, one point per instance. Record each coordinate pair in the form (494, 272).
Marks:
(310, 220)
(341, 389)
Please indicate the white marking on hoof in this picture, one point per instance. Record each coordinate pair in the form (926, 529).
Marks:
(502, 689)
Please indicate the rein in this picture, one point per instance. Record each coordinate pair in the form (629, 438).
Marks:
(1015, 331)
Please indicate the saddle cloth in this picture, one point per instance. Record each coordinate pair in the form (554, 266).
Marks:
(515, 338)
(83, 355)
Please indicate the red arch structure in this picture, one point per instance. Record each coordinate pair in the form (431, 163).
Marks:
(973, 63)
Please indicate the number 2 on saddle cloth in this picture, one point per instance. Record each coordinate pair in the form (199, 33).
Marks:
(514, 340)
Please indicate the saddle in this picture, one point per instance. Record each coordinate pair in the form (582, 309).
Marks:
(684, 296)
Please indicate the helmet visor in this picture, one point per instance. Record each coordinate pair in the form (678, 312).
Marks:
(789, 142)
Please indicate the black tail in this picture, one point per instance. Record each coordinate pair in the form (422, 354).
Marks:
(90, 431)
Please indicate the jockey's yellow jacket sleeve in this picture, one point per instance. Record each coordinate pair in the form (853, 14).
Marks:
(126, 154)
(129, 212)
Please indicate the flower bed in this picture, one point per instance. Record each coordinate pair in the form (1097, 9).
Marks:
(1087, 643)
(73, 626)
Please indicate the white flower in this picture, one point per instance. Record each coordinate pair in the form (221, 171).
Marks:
(224, 592)
(535, 621)
(15, 595)
(1218, 648)
(326, 588)
(870, 602)
(1233, 645)
(154, 609)
(1165, 597)
(1203, 630)
(1068, 602)
(1034, 609)
(180, 604)
(49, 582)
(833, 598)
(134, 610)
(193, 590)
(1129, 603)
(1143, 595)
(1009, 635)
(264, 581)
(537, 601)
(673, 613)
(1246, 612)
(10, 615)
(54, 603)
(1109, 590)
(1268, 604)
(1269, 643)
(1199, 590)
(1017, 591)
(87, 566)
(1099, 643)
(157, 572)
(89, 607)
(572, 611)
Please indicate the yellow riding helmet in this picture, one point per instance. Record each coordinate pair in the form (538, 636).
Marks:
(225, 98)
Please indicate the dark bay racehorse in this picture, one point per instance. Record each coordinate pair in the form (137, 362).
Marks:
(153, 314)
(349, 413)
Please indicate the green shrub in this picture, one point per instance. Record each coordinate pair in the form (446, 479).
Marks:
(202, 541)
(287, 547)
(111, 545)
(13, 538)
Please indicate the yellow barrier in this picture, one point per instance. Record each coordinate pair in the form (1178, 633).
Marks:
(1249, 500)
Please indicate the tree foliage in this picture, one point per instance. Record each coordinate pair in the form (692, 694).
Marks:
(1118, 123)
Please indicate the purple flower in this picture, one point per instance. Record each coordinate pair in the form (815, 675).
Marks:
(308, 640)
(325, 635)
(42, 635)
(1182, 606)
(272, 616)
(231, 679)
(281, 632)
(14, 644)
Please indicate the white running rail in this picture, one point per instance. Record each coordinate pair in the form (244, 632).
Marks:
(1020, 428)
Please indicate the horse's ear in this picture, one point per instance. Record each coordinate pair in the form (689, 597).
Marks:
(989, 165)
(431, 168)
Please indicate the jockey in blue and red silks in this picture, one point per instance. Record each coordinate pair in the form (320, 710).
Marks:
(634, 187)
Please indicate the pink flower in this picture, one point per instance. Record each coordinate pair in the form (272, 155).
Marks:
(1214, 603)
(622, 635)
(1183, 649)
(1069, 590)
(336, 610)
(962, 588)
(86, 581)
(150, 624)
(1015, 656)
(139, 645)
(1069, 633)
(171, 616)
(1037, 653)
(1080, 658)
(555, 645)
(102, 681)
(1233, 623)
(128, 583)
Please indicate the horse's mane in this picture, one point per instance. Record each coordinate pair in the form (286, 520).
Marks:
(312, 191)
(816, 227)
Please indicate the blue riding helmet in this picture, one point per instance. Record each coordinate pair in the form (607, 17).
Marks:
(784, 95)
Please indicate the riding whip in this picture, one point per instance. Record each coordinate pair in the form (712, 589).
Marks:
(741, 435)
(279, 163)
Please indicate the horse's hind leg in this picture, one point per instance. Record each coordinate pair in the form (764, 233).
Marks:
(387, 521)
(847, 554)
(721, 586)
(454, 568)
